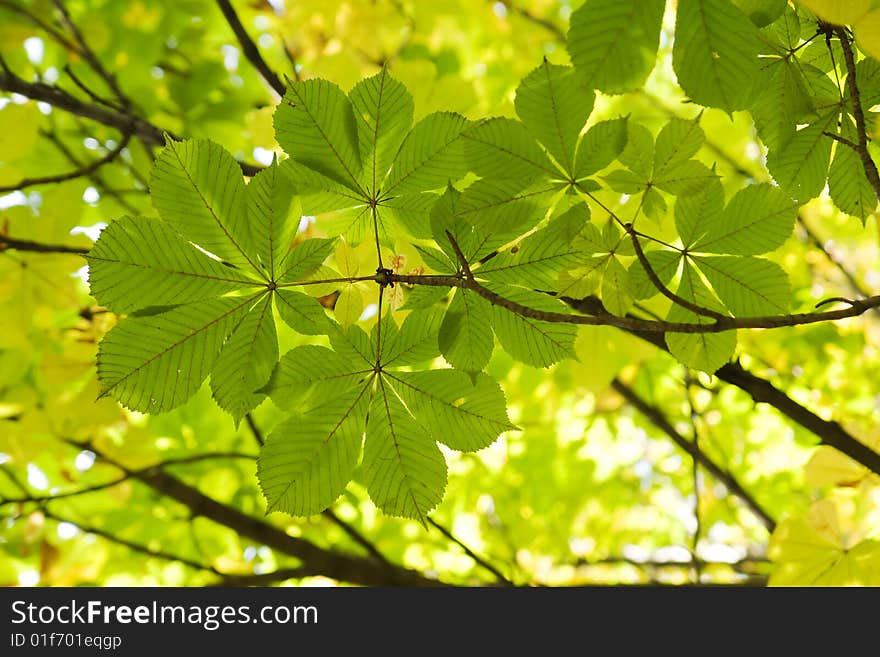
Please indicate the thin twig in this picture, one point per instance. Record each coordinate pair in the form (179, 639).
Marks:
(356, 536)
(473, 555)
(859, 115)
(665, 291)
(658, 419)
(71, 175)
(89, 55)
(249, 48)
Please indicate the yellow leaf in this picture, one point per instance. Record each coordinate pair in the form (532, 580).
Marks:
(349, 306)
(828, 467)
(867, 31)
(837, 12)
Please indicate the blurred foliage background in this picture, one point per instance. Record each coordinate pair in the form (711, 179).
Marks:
(595, 488)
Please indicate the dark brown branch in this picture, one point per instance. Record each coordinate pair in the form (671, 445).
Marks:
(38, 247)
(131, 545)
(842, 140)
(655, 280)
(76, 173)
(249, 48)
(255, 430)
(89, 55)
(473, 555)
(94, 176)
(356, 536)
(630, 323)
(338, 566)
(62, 100)
(859, 115)
(263, 579)
(658, 419)
(829, 433)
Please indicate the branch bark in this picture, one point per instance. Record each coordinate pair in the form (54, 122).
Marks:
(249, 48)
(316, 560)
(859, 115)
(656, 417)
(125, 123)
(760, 390)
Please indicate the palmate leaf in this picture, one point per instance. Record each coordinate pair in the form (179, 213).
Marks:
(192, 314)
(347, 394)
(800, 165)
(466, 339)
(360, 155)
(503, 148)
(848, 186)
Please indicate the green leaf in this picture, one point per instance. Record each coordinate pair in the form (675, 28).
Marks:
(415, 342)
(625, 181)
(761, 12)
(554, 104)
(465, 337)
(155, 363)
(503, 148)
(686, 178)
(384, 112)
(462, 414)
(141, 261)
(318, 193)
(404, 470)
(758, 219)
(308, 374)
(701, 351)
(695, 213)
(715, 54)
(316, 126)
(617, 292)
(613, 43)
(274, 213)
(748, 286)
(246, 362)
(663, 263)
(507, 206)
(540, 257)
(303, 259)
(601, 144)
(412, 212)
(677, 142)
(800, 166)
(533, 341)
(302, 313)
(431, 156)
(309, 458)
(637, 155)
(198, 190)
(848, 185)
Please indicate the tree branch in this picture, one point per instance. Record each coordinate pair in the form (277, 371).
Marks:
(473, 555)
(724, 323)
(89, 55)
(655, 280)
(338, 566)
(249, 48)
(760, 390)
(859, 115)
(38, 247)
(656, 417)
(76, 173)
(62, 100)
